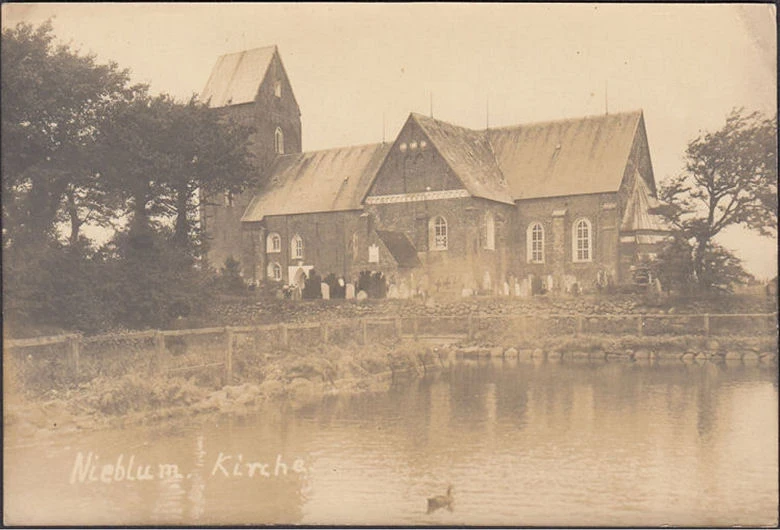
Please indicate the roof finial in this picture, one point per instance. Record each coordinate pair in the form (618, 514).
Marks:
(487, 112)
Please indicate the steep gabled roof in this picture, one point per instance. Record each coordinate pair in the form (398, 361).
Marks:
(400, 247)
(577, 156)
(470, 157)
(637, 217)
(236, 77)
(318, 181)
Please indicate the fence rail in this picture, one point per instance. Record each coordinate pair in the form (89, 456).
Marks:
(465, 326)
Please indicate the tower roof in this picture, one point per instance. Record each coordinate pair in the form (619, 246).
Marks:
(236, 77)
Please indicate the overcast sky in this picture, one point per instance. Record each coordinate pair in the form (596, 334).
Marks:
(686, 66)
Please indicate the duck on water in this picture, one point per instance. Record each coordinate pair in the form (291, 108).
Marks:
(441, 501)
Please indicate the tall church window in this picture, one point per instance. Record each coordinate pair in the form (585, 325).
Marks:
(582, 241)
(439, 233)
(296, 247)
(535, 239)
(273, 243)
(279, 141)
(355, 246)
(275, 271)
(490, 231)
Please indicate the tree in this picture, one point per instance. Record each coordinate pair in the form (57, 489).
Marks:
(157, 154)
(729, 179)
(211, 156)
(53, 103)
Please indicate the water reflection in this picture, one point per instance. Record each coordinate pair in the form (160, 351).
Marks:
(555, 443)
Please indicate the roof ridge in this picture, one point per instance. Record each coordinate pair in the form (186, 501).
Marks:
(247, 50)
(564, 120)
(340, 148)
(437, 121)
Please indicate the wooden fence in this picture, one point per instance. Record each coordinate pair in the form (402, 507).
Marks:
(471, 327)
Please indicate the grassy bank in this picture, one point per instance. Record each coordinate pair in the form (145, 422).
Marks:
(304, 375)
(298, 377)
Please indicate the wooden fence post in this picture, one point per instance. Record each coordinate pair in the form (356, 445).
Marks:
(471, 327)
(75, 345)
(161, 363)
(285, 336)
(159, 343)
(229, 355)
(363, 331)
(399, 327)
(640, 328)
(707, 324)
(416, 327)
(578, 330)
(324, 332)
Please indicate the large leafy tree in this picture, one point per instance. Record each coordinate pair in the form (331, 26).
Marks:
(729, 179)
(210, 156)
(158, 155)
(54, 101)
(81, 145)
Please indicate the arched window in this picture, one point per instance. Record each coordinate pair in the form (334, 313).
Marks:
(273, 243)
(535, 243)
(296, 247)
(438, 233)
(279, 141)
(354, 246)
(490, 231)
(582, 241)
(275, 271)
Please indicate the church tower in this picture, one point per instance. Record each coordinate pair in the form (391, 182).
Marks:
(252, 88)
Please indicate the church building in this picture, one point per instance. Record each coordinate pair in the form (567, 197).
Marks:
(558, 206)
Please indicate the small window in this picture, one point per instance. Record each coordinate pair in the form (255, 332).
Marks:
(490, 231)
(278, 89)
(535, 239)
(582, 241)
(275, 271)
(279, 141)
(296, 247)
(439, 233)
(229, 199)
(273, 243)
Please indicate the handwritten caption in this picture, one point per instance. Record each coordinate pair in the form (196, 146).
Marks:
(90, 468)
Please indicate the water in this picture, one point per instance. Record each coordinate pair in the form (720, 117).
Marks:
(522, 444)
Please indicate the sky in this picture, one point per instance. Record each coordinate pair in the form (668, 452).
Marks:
(358, 70)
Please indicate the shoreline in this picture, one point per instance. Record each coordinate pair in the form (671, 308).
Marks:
(298, 379)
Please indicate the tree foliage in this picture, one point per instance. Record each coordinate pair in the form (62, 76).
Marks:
(729, 179)
(82, 145)
(54, 101)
